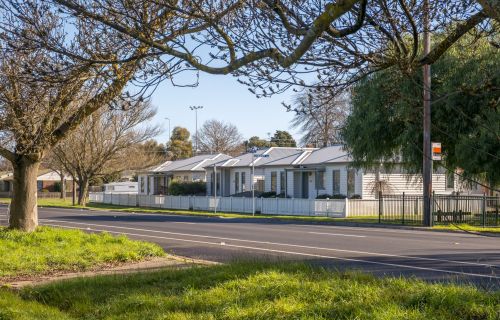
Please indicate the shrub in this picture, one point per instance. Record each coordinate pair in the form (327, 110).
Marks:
(57, 186)
(182, 188)
(282, 195)
(269, 194)
(324, 196)
(355, 196)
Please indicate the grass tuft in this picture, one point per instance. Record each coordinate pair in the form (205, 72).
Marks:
(261, 291)
(52, 249)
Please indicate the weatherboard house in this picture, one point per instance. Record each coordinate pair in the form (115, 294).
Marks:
(311, 172)
(156, 181)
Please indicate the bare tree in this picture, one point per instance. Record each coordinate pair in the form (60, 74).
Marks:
(107, 142)
(273, 45)
(5, 165)
(217, 136)
(320, 117)
(45, 95)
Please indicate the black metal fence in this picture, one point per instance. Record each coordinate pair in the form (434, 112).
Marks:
(446, 209)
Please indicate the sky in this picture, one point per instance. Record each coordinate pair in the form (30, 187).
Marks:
(222, 98)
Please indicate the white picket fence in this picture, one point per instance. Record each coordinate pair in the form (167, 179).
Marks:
(270, 206)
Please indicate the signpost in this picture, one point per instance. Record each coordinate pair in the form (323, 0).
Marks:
(436, 151)
(256, 155)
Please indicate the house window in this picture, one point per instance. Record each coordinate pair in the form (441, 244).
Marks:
(320, 180)
(274, 181)
(450, 180)
(236, 182)
(243, 181)
(336, 182)
(39, 185)
(282, 181)
(186, 178)
(350, 181)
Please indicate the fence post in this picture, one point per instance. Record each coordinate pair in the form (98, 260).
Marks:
(277, 205)
(230, 204)
(496, 213)
(380, 205)
(346, 209)
(403, 208)
(433, 196)
(484, 210)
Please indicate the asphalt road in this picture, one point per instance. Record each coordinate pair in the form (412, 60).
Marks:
(433, 256)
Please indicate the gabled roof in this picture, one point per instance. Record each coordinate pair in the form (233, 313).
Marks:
(276, 156)
(333, 154)
(43, 175)
(196, 163)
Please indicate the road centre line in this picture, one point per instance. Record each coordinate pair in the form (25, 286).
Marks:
(293, 253)
(337, 234)
(278, 244)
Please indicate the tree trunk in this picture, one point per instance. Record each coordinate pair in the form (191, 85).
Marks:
(23, 208)
(83, 190)
(63, 187)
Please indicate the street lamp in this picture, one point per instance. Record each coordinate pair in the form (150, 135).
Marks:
(196, 108)
(168, 119)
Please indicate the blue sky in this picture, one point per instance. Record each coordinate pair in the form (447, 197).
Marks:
(222, 98)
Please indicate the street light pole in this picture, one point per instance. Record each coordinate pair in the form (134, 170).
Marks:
(168, 119)
(253, 186)
(215, 189)
(196, 108)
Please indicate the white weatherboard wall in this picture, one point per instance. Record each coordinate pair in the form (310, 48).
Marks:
(400, 182)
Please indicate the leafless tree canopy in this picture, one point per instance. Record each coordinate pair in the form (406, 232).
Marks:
(108, 142)
(216, 136)
(320, 117)
(273, 45)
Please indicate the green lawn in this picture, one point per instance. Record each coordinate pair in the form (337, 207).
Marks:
(52, 249)
(248, 291)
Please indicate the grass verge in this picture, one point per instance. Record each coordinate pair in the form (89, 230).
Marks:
(373, 219)
(48, 250)
(249, 291)
(468, 227)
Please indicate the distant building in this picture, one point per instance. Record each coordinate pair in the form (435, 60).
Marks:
(47, 181)
(128, 187)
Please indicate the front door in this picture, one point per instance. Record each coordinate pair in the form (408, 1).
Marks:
(305, 185)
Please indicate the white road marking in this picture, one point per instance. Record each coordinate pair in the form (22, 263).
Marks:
(337, 234)
(185, 222)
(297, 253)
(278, 244)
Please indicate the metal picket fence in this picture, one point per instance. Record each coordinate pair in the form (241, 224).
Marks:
(446, 209)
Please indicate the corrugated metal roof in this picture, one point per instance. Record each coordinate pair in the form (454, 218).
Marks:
(331, 154)
(195, 163)
(278, 156)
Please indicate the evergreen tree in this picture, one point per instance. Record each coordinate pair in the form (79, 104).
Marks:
(179, 146)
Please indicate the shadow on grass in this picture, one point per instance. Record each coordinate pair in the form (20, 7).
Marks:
(254, 290)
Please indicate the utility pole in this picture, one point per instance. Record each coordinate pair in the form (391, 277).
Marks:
(196, 108)
(427, 156)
